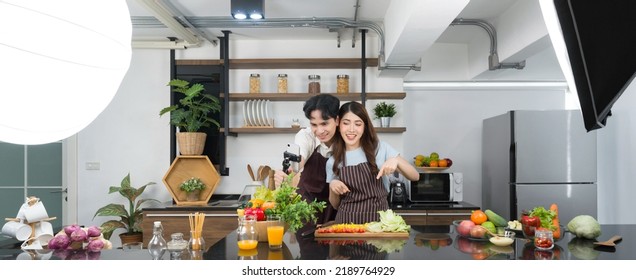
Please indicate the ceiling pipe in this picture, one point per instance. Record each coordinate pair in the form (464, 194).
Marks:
(493, 58)
(324, 23)
(181, 17)
(355, 18)
(166, 18)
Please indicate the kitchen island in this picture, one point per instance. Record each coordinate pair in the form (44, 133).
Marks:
(423, 243)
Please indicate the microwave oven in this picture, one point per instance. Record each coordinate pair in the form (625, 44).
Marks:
(437, 187)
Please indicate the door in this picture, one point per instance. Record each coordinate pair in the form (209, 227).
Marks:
(572, 199)
(33, 170)
(553, 147)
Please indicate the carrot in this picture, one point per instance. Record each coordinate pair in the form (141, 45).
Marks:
(556, 233)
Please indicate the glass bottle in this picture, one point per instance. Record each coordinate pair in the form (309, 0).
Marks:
(342, 84)
(255, 83)
(247, 234)
(157, 245)
(282, 83)
(176, 245)
(314, 84)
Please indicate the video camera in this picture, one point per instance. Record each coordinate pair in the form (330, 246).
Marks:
(292, 154)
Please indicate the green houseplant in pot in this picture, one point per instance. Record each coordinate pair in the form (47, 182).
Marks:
(129, 219)
(384, 111)
(191, 114)
(193, 188)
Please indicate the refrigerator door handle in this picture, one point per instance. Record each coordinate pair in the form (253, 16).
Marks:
(513, 179)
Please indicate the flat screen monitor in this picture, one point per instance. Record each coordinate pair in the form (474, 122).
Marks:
(600, 38)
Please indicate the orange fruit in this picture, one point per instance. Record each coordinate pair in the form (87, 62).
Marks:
(433, 163)
(478, 217)
(442, 163)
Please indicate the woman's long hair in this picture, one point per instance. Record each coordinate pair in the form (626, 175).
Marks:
(368, 141)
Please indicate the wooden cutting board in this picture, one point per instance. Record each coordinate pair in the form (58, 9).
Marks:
(364, 235)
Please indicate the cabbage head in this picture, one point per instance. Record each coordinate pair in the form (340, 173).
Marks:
(585, 226)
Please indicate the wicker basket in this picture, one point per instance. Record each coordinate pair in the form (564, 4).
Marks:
(191, 143)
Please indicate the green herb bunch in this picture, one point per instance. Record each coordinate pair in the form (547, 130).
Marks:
(192, 184)
(294, 210)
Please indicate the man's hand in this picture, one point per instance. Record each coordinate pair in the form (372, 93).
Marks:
(279, 177)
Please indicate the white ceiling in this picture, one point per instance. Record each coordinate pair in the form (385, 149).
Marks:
(496, 12)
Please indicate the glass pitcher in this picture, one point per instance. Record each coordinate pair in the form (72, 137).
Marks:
(247, 234)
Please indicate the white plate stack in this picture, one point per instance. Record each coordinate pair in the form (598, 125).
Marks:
(257, 113)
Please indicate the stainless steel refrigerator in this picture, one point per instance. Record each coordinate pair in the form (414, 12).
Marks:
(536, 158)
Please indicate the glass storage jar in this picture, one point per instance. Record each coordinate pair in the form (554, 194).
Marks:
(543, 239)
(255, 83)
(342, 84)
(282, 83)
(314, 84)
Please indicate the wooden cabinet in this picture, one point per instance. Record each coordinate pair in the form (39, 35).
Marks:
(433, 217)
(217, 224)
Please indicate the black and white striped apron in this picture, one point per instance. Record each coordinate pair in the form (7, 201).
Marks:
(365, 198)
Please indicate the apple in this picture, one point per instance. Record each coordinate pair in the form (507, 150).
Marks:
(449, 162)
(464, 227)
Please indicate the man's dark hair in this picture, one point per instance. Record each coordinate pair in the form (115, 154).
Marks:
(326, 103)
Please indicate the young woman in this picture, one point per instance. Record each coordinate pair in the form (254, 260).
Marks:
(357, 165)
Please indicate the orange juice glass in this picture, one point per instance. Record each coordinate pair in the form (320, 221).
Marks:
(275, 231)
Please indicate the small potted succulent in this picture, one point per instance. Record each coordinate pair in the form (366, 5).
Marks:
(384, 112)
(193, 188)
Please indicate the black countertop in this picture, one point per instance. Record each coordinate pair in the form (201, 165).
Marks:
(225, 202)
(424, 243)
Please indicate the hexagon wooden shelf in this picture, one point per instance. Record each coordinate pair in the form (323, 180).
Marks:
(186, 167)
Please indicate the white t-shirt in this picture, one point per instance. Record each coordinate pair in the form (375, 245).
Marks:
(308, 142)
(355, 157)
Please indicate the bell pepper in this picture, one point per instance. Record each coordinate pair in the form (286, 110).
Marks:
(530, 224)
(258, 212)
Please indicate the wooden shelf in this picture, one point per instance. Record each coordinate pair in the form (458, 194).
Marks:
(186, 167)
(354, 96)
(285, 63)
(280, 130)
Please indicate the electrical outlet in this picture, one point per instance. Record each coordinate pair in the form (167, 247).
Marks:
(92, 166)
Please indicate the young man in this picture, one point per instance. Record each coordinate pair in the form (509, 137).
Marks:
(315, 148)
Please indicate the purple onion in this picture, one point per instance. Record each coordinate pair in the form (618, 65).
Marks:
(93, 231)
(70, 229)
(78, 235)
(59, 242)
(95, 245)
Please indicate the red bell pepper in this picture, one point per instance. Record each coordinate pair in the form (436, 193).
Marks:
(530, 224)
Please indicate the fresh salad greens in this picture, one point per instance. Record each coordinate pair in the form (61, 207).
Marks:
(544, 215)
(389, 222)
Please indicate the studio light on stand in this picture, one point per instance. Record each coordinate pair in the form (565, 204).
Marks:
(242, 9)
(62, 63)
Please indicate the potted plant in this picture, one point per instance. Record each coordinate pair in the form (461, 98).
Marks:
(130, 219)
(384, 112)
(191, 114)
(192, 187)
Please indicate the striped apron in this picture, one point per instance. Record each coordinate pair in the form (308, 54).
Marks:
(365, 198)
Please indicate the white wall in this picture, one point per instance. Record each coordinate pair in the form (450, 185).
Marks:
(129, 136)
(616, 161)
(449, 122)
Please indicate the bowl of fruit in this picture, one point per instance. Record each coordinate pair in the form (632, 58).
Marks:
(431, 163)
